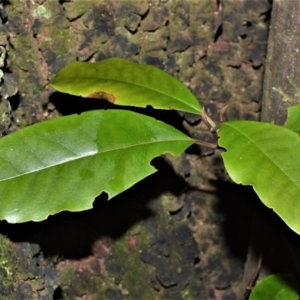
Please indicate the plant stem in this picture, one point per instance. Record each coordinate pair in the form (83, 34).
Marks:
(208, 121)
(206, 144)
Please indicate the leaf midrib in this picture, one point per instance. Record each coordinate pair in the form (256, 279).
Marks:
(97, 153)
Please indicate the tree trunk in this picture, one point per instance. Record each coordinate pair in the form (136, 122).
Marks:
(283, 61)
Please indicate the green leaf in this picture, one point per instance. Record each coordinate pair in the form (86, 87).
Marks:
(64, 163)
(126, 83)
(265, 156)
(293, 119)
(276, 287)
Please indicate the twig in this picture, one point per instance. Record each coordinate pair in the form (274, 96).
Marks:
(206, 144)
(221, 114)
(252, 280)
(208, 121)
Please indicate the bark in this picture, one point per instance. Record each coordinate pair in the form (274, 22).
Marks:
(283, 60)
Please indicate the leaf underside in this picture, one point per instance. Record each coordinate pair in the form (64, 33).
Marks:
(265, 156)
(64, 163)
(126, 83)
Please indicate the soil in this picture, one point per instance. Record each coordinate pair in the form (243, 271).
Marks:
(182, 233)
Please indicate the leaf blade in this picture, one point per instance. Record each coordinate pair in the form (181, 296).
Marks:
(265, 156)
(293, 119)
(277, 286)
(126, 83)
(65, 163)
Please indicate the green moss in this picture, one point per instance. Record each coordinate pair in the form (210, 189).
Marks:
(76, 8)
(67, 275)
(96, 288)
(186, 294)
(80, 287)
(7, 267)
(134, 281)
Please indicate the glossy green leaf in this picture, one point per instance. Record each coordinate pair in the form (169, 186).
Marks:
(276, 287)
(293, 119)
(125, 83)
(64, 163)
(267, 157)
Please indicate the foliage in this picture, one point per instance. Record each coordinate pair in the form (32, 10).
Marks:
(125, 83)
(277, 287)
(267, 157)
(63, 164)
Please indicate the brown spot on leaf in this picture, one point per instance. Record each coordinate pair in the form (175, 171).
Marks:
(102, 96)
